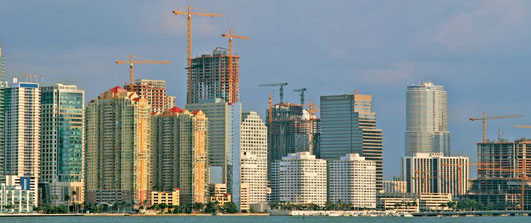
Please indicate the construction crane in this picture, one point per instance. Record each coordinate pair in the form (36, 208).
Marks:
(423, 177)
(485, 118)
(189, 15)
(131, 62)
(523, 126)
(301, 90)
(232, 78)
(281, 89)
(523, 178)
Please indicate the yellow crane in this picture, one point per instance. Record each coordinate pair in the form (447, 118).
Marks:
(131, 62)
(233, 91)
(188, 12)
(485, 118)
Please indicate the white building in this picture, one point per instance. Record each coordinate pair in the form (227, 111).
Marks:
(17, 194)
(352, 180)
(301, 179)
(397, 185)
(21, 134)
(253, 144)
(435, 173)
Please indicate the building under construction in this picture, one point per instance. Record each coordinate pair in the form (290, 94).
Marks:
(289, 131)
(211, 77)
(499, 183)
(155, 92)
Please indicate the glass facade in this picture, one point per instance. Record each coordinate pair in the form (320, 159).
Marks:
(426, 119)
(62, 142)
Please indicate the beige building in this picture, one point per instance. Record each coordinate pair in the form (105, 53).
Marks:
(253, 145)
(407, 202)
(118, 148)
(395, 186)
(155, 93)
(245, 191)
(163, 197)
(218, 193)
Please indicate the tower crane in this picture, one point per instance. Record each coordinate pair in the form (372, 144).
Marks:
(131, 62)
(188, 12)
(301, 90)
(232, 78)
(281, 89)
(485, 118)
(460, 172)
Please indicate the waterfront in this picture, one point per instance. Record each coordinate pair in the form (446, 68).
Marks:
(254, 219)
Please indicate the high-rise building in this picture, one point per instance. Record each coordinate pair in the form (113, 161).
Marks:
(300, 179)
(21, 135)
(253, 145)
(348, 125)
(193, 157)
(352, 180)
(155, 92)
(210, 78)
(118, 148)
(289, 131)
(436, 173)
(223, 138)
(2, 85)
(426, 120)
(62, 143)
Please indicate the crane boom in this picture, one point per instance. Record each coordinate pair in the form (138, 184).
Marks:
(301, 90)
(131, 63)
(281, 89)
(523, 126)
(233, 90)
(485, 118)
(188, 12)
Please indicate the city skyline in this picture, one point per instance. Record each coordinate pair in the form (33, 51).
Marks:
(451, 57)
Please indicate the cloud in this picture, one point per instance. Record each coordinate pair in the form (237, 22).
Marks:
(490, 24)
(391, 75)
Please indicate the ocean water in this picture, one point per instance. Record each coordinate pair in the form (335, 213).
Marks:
(257, 219)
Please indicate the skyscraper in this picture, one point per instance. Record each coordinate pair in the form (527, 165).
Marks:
(436, 173)
(180, 156)
(210, 78)
(426, 120)
(62, 143)
(253, 145)
(155, 92)
(289, 131)
(118, 148)
(21, 134)
(348, 125)
(223, 138)
(2, 85)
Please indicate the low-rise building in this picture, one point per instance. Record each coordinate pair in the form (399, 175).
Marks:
(165, 197)
(245, 204)
(16, 195)
(395, 186)
(218, 193)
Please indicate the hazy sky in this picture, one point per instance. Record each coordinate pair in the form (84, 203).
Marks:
(479, 50)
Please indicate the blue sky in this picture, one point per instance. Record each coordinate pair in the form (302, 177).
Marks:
(478, 49)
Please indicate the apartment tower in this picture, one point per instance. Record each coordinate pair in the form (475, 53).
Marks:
(118, 148)
(155, 92)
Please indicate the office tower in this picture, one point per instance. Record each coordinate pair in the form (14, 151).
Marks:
(22, 131)
(289, 131)
(300, 179)
(397, 185)
(426, 120)
(155, 92)
(223, 138)
(253, 145)
(436, 173)
(352, 180)
(316, 140)
(118, 148)
(2, 85)
(62, 143)
(193, 157)
(348, 125)
(210, 78)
